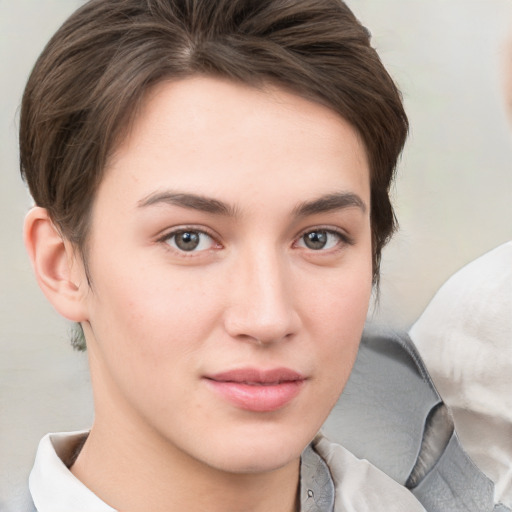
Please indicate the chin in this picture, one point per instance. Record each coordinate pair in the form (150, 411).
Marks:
(258, 462)
(262, 452)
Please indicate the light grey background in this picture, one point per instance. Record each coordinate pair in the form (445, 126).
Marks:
(453, 195)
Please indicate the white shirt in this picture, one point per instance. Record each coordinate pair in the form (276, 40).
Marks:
(359, 486)
(52, 485)
(465, 338)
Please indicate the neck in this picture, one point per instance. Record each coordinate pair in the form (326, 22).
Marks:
(136, 470)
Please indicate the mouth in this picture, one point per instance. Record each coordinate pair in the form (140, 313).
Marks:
(257, 390)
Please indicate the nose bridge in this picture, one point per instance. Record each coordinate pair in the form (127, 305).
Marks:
(262, 305)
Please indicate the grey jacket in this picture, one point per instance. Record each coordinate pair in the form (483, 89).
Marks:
(391, 414)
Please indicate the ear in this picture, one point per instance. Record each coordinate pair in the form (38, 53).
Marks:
(59, 272)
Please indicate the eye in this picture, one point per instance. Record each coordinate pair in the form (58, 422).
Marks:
(190, 240)
(320, 239)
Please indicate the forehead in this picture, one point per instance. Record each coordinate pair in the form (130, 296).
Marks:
(220, 137)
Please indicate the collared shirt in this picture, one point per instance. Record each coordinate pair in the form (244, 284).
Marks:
(332, 480)
(52, 485)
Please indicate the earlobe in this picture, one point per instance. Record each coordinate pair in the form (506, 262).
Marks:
(58, 272)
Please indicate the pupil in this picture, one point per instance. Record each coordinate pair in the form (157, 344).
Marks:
(187, 240)
(316, 240)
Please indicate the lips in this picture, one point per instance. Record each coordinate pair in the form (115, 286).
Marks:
(257, 390)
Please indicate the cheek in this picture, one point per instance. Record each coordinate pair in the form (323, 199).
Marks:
(339, 300)
(337, 314)
(155, 315)
(148, 335)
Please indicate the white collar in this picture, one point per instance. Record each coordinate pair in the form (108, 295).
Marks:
(52, 486)
(359, 485)
(55, 489)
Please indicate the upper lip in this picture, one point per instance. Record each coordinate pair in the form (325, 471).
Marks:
(257, 376)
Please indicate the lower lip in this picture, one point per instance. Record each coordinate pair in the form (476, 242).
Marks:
(258, 398)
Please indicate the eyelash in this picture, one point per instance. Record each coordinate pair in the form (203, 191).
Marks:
(166, 239)
(343, 239)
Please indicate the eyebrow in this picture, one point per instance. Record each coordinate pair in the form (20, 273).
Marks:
(191, 201)
(330, 202)
(323, 204)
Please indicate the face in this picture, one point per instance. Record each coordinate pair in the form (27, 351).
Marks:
(230, 258)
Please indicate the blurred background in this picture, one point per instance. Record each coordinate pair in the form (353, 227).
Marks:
(453, 195)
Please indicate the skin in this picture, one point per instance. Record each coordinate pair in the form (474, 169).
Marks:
(160, 320)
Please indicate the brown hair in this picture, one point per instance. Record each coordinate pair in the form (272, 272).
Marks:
(92, 75)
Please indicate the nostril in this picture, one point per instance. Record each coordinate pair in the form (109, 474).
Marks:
(261, 333)
(263, 309)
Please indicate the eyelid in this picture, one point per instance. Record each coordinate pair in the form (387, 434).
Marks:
(170, 232)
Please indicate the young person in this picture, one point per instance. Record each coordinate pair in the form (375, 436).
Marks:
(211, 181)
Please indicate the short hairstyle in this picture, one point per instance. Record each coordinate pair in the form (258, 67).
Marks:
(87, 84)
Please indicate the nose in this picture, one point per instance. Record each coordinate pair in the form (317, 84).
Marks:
(262, 304)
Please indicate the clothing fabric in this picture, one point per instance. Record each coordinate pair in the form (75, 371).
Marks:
(391, 414)
(52, 485)
(360, 486)
(332, 480)
(465, 338)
